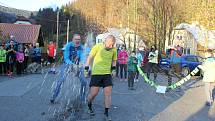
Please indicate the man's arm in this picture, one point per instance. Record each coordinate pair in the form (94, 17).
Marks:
(114, 63)
(89, 58)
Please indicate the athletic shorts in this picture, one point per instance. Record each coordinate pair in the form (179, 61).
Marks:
(51, 59)
(101, 81)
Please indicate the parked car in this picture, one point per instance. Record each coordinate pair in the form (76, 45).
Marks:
(188, 63)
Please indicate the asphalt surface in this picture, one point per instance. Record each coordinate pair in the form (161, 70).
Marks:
(26, 98)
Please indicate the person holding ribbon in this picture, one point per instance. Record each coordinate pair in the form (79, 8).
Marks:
(208, 67)
(104, 58)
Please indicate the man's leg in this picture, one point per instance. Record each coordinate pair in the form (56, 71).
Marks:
(177, 70)
(208, 93)
(107, 98)
(93, 93)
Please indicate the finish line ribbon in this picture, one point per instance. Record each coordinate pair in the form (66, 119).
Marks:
(172, 86)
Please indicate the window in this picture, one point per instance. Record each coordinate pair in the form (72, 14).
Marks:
(191, 59)
(200, 59)
(179, 37)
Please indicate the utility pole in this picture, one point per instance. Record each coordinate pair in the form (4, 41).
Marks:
(67, 37)
(57, 29)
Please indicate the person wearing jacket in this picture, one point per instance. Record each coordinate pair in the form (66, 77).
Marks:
(26, 53)
(153, 61)
(72, 56)
(51, 51)
(122, 59)
(208, 68)
(175, 62)
(37, 53)
(132, 70)
(19, 61)
(11, 57)
(3, 55)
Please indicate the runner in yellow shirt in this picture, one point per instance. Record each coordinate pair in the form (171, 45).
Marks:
(105, 56)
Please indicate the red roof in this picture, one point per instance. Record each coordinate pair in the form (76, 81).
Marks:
(22, 33)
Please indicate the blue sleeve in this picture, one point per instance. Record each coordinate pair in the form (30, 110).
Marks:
(66, 54)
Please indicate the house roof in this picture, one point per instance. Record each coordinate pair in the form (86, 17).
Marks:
(22, 33)
(22, 18)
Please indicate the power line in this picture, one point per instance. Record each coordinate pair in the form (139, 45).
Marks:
(52, 20)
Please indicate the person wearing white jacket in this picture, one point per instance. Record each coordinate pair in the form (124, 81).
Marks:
(153, 61)
(208, 68)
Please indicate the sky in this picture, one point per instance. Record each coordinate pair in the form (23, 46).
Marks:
(33, 5)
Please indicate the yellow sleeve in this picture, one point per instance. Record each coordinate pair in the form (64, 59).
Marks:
(94, 50)
(114, 54)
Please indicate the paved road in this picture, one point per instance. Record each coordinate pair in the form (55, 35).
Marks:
(26, 98)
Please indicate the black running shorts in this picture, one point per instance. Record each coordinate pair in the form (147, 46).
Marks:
(101, 81)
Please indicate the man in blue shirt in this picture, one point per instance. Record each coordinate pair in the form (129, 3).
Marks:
(72, 55)
(175, 61)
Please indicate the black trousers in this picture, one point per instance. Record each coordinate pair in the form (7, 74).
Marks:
(3, 68)
(19, 67)
(152, 67)
(117, 69)
(131, 76)
(26, 62)
(123, 70)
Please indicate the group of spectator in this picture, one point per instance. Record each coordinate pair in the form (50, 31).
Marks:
(148, 60)
(15, 57)
(127, 65)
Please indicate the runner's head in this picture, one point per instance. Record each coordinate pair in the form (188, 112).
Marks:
(110, 42)
(76, 39)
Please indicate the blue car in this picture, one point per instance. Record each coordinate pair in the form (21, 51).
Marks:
(188, 63)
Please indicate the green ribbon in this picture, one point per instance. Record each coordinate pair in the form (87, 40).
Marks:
(172, 86)
(150, 82)
(185, 79)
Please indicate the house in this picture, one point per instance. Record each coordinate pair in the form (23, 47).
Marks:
(194, 39)
(24, 20)
(123, 36)
(23, 33)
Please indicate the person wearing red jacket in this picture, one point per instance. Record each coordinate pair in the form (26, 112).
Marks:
(123, 60)
(51, 50)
